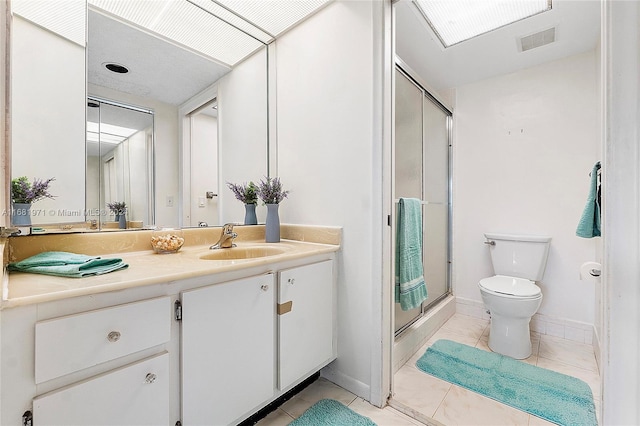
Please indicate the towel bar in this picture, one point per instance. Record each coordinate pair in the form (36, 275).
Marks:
(397, 200)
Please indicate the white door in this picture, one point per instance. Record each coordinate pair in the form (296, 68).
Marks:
(228, 350)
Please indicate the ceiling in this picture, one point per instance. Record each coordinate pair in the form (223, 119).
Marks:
(577, 24)
(157, 69)
(174, 49)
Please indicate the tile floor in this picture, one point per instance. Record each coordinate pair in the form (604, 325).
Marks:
(422, 396)
(323, 388)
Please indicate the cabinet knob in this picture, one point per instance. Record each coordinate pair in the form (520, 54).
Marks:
(291, 281)
(264, 287)
(150, 378)
(114, 336)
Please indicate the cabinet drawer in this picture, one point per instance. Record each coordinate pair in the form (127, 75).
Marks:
(74, 342)
(137, 394)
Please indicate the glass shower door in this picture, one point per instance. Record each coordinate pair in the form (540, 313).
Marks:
(408, 160)
(421, 169)
(437, 201)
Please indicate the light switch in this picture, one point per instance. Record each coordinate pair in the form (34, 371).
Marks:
(201, 202)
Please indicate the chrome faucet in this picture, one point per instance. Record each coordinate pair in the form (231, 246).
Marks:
(226, 238)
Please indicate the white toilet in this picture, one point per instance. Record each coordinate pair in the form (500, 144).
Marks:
(511, 295)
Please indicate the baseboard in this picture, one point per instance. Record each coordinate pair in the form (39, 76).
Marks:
(349, 383)
(544, 324)
(596, 349)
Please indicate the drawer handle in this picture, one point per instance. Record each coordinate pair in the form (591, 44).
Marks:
(150, 378)
(291, 281)
(114, 336)
(264, 287)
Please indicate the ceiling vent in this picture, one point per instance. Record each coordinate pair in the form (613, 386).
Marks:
(536, 40)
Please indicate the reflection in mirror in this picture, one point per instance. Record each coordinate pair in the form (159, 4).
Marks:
(202, 170)
(166, 71)
(242, 143)
(119, 164)
(48, 111)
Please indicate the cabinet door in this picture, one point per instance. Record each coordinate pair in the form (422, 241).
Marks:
(228, 350)
(305, 321)
(137, 394)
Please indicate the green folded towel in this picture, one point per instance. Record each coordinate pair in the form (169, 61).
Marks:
(589, 225)
(410, 289)
(65, 264)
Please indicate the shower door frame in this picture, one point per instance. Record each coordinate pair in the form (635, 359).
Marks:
(407, 72)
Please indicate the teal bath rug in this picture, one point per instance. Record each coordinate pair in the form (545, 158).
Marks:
(331, 413)
(556, 397)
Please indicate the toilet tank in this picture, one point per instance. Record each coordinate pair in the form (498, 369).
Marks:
(522, 256)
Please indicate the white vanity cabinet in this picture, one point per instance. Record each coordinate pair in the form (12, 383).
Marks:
(305, 321)
(228, 356)
(137, 394)
(206, 350)
(133, 393)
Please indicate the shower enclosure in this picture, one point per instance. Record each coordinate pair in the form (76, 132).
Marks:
(422, 170)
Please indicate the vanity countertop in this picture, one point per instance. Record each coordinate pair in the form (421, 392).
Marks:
(147, 267)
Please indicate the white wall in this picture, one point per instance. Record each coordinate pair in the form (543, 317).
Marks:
(326, 149)
(47, 118)
(523, 148)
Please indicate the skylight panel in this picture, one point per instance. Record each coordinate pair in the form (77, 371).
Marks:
(273, 16)
(65, 18)
(455, 21)
(185, 24)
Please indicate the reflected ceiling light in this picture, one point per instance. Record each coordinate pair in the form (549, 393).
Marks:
(108, 133)
(455, 21)
(117, 68)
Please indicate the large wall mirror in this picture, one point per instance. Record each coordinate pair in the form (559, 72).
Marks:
(199, 68)
(172, 104)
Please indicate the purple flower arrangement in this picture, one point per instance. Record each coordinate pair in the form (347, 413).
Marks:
(271, 192)
(117, 207)
(25, 192)
(245, 192)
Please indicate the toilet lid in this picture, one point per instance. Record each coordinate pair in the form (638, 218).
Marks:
(512, 286)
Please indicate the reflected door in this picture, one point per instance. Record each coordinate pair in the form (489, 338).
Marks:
(202, 172)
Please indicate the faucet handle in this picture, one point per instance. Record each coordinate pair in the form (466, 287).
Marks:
(227, 228)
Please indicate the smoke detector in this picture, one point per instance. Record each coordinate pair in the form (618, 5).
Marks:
(537, 39)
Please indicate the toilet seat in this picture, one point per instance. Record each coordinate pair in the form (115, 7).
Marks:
(512, 287)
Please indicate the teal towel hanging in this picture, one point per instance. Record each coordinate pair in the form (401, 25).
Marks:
(410, 288)
(65, 264)
(589, 225)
